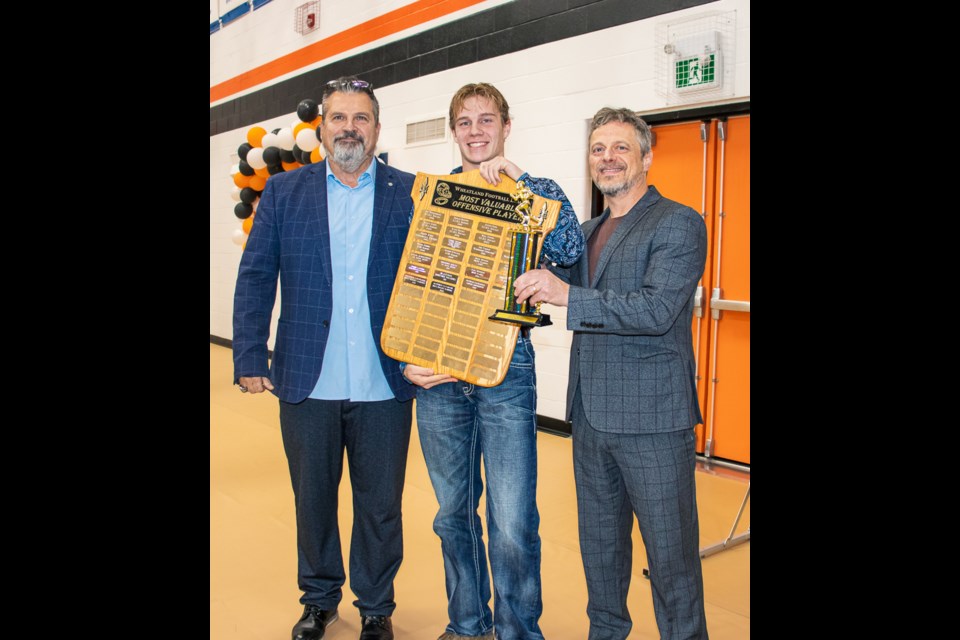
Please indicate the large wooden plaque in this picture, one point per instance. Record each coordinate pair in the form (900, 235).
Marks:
(453, 273)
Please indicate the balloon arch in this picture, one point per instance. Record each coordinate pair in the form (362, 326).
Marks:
(266, 154)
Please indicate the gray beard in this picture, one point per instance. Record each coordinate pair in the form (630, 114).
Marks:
(349, 156)
(611, 190)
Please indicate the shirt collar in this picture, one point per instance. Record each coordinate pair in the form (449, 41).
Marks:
(368, 176)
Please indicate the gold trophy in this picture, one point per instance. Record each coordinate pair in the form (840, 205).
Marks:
(525, 251)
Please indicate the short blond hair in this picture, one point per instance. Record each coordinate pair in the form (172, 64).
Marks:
(479, 90)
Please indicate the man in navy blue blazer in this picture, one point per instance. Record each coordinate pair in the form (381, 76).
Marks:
(333, 232)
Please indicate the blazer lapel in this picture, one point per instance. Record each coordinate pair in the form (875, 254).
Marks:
(383, 193)
(632, 219)
(323, 220)
(612, 244)
(589, 228)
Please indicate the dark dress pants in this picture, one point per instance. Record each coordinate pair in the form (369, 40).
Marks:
(375, 436)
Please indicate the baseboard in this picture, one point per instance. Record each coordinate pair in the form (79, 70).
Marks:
(553, 426)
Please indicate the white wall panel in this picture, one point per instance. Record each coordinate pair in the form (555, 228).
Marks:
(553, 91)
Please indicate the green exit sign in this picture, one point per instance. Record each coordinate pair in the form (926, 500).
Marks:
(698, 72)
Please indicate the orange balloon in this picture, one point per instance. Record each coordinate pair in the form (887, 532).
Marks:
(315, 155)
(262, 172)
(300, 127)
(248, 224)
(241, 180)
(257, 183)
(255, 135)
(316, 122)
(290, 166)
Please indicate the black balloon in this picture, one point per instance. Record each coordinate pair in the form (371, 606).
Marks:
(305, 157)
(274, 169)
(286, 156)
(247, 195)
(243, 149)
(276, 131)
(246, 169)
(319, 137)
(243, 210)
(271, 155)
(307, 110)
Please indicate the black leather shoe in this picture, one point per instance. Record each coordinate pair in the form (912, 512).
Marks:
(314, 622)
(376, 628)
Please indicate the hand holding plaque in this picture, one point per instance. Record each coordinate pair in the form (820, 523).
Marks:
(525, 244)
(454, 274)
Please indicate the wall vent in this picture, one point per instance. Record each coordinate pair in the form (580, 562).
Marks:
(426, 131)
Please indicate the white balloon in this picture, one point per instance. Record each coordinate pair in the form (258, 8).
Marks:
(255, 203)
(269, 140)
(285, 139)
(307, 139)
(235, 194)
(255, 158)
(293, 125)
(234, 169)
(239, 237)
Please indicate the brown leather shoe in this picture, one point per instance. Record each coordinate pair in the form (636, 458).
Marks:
(313, 623)
(376, 628)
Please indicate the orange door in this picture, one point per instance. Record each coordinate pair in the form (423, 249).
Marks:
(683, 169)
(728, 401)
(706, 165)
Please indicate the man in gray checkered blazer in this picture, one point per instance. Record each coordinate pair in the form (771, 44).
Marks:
(631, 396)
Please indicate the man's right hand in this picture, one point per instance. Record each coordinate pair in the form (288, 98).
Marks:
(256, 384)
(424, 377)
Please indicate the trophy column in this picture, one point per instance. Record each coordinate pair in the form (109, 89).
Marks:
(524, 252)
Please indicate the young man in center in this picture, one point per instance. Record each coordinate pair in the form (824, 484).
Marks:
(460, 423)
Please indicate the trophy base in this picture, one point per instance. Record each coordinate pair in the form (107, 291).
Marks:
(523, 319)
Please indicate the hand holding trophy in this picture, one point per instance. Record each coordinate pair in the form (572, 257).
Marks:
(525, 242)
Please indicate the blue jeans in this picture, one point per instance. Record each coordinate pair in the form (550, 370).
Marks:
(459, 423)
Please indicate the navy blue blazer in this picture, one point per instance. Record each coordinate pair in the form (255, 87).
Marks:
(291, 239)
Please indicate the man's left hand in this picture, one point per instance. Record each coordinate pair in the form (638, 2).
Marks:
(540, 285)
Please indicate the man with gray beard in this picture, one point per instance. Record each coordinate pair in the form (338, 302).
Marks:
(631, 397)
(334, 232)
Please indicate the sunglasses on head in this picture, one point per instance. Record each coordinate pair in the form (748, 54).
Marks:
(333, 85)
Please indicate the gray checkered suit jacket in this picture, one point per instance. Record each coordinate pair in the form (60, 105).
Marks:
(632, 349)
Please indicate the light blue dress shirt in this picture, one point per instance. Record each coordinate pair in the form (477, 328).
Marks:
(351, 367)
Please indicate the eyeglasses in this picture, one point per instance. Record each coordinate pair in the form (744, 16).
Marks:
(362, 85)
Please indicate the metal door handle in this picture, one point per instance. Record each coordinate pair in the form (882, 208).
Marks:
(698, 303)
(718, 304)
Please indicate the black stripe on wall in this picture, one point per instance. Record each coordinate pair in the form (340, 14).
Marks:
(507, 28)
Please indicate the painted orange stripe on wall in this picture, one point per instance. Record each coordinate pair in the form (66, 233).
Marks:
(389, 23)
